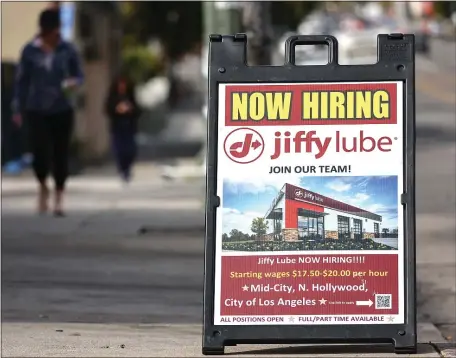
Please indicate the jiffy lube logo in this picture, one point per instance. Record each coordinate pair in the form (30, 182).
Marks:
(311, 142)
(302, 194)
(245, 145)
(307, 106)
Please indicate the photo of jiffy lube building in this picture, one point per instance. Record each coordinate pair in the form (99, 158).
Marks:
(300, 214)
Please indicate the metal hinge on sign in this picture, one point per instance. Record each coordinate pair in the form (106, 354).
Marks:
(404, 198)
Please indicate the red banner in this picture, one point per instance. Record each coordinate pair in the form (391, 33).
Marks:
(311, 104)
(309, 285)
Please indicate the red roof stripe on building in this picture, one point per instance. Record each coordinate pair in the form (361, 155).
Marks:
(300, 194)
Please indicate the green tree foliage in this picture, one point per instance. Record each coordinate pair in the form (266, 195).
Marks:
(140, 63)
(177, 23)
(236, 236)
(444, 8)
(291, 13)
(259, 226)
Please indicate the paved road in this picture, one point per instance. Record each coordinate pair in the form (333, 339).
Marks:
(94, 267)
(443, 53)
(436, 202)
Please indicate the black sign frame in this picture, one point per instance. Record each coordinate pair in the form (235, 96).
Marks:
(227, 64)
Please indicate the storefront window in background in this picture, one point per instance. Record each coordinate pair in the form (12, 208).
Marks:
(358, 229)
(320, 227)
(310, 227)
(376, 230)
(343, 227)
(303, 227)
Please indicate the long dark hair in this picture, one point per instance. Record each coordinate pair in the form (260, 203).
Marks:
(129, 86)
(49, 20)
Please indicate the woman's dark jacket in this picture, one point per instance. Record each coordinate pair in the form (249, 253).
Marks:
(122, 122)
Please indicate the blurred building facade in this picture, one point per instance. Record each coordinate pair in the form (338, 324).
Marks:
(95, 28)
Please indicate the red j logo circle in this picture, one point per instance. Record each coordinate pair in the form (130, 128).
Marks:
(244, 145)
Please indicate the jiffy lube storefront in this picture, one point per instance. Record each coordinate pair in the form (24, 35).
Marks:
(300, 214)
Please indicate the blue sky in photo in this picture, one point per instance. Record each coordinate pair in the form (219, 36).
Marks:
(377, 194)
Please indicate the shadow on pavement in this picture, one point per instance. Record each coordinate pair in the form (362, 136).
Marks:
(163, 151)
(427, 135)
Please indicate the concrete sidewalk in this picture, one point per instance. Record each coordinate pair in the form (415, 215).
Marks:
(84, 340)
(94, 267)
(99, 204)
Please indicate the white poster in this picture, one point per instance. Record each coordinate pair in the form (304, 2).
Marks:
(310, 226)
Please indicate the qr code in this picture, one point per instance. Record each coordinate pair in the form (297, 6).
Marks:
(383, 302)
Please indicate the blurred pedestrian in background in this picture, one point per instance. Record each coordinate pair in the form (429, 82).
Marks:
(123, 113)
(49, 72)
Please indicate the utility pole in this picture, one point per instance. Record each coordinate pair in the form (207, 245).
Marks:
(224, 18)
(258, 26)
(221, 17)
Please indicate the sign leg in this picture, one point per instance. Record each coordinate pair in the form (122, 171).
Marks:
(405, 350)
(213, 343)
(406, 344)
(213, 351)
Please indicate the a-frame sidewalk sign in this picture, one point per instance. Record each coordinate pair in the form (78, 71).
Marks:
(310, 208)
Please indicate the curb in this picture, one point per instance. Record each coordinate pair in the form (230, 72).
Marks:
(447, 350)
(429, 333)
(163, 340)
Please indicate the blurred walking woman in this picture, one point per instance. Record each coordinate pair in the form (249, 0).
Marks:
(123, 113)
(49, 71)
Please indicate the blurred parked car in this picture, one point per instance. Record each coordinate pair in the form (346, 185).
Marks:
(304, 55)
(421, 31)
(357, 39)
(319, 23)
(357, 48)
(317, 57)
(316, 23)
